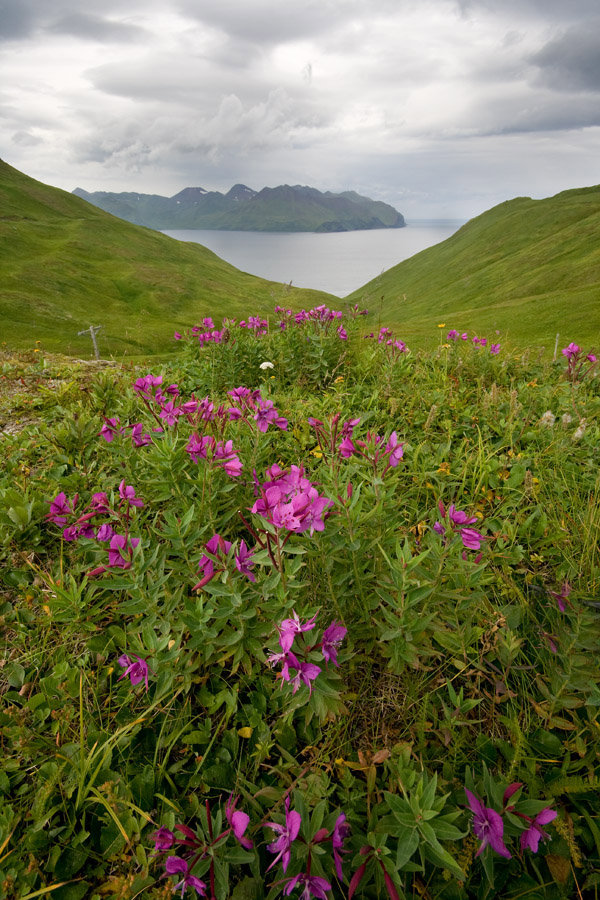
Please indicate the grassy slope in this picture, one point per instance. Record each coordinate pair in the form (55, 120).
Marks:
(529, 268)
(65, 265)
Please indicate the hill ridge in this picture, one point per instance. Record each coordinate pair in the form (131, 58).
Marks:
(531, 258)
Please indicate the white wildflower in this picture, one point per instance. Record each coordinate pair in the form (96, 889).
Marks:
(566, 419)
(548, 419)
(577, 435)
(266, 365)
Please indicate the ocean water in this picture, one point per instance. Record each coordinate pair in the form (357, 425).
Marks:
(338, 263)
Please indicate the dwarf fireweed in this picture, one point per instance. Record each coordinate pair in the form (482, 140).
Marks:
(296, 666)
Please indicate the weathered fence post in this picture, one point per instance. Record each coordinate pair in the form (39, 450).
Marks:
(92, 330)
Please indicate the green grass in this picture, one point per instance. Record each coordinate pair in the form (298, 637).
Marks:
(527, 268)
(66, 265)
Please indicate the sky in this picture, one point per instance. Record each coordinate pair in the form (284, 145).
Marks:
(442, 108)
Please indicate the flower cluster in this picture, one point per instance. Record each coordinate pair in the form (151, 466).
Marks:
(375, 449)
(459, 521)
(86, 525)
(394, 346)
(218, 550)
(321, 316)
(305, 672)
(193, 847)
(488, 824)
(289, 500)
(454, 335)
(220, 453)
(579, 363)
(252, 406)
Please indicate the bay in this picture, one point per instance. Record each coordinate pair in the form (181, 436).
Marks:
(338, 263)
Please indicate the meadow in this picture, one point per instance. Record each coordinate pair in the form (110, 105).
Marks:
(301, 611)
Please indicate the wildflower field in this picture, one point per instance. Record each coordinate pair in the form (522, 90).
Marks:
(301, 612)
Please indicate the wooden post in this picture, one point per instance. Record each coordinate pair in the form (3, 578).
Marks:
(92, 330)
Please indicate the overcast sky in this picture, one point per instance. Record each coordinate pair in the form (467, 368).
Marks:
(441, 107)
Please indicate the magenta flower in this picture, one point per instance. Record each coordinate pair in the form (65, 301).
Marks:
(341, 830)
(60, 508)
(238, 822)
(266, 415)
(346, 448)
(175, 865)
(562, 597)
(395, 449)
(331, 640)
(244, 561)
(471, 539)
(120, 552)
(70, 533)
(136, 669)
(226, 457)
(289, 628)
(494, 349)
(571, 351)
(105, 532)
(305, 674)
(170, 413)
(99, 502)
(439, 528)
(198, 447)
(110, 428)
(314, 886)
(127, 493)
(591, 357)
(287, 835)
(163, 838)
(533, 835)
(144, 385)
(460, 518)
(452, 335)
(218, 547)
(487, 826)
(138, 437)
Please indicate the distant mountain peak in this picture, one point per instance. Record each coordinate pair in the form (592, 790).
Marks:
(240, 192)
(189, 194)
(283, 208)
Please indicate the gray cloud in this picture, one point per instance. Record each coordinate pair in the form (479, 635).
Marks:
(26, 139)
(571, 61)
(416, 101)
(94, 28)
(269, 22)
(18, 20)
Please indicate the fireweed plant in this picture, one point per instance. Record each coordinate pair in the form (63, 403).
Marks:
(304, 613)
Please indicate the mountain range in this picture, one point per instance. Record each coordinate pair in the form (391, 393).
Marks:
(284, 208)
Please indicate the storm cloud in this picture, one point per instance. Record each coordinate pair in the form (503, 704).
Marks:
(441, 107)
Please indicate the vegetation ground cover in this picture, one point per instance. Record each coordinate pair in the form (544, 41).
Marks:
(300, 612)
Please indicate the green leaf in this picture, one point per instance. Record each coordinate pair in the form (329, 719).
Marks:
(408, 841)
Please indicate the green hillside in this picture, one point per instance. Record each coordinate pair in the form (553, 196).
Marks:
(66, 265)
(527, 268)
